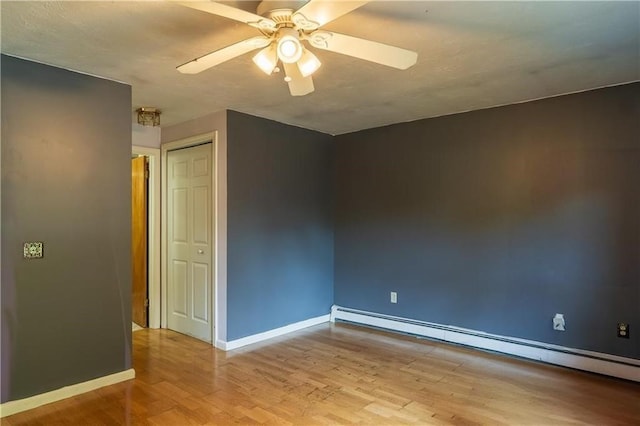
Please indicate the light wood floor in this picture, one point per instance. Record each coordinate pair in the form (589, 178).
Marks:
(341, 374)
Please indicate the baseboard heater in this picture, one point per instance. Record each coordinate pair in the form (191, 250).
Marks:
(596, 362)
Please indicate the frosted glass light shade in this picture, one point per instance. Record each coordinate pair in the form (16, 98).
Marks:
(266, 59)
(308, 63)
(289, 48)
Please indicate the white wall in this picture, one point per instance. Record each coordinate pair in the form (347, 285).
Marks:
(146, 136)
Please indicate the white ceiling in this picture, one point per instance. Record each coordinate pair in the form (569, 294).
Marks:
(471, 55)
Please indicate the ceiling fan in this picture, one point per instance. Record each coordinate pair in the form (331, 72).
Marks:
(284, 28)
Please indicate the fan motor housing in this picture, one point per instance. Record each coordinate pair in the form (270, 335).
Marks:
(276, 10)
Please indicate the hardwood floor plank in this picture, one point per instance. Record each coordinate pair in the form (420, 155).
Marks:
(340, 374)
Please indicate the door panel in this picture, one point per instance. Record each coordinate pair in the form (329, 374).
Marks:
(200, 292)
(179, 288)
(189, 247)
(201, 215)
(179, 169)
(180, 209)
(139, 285)
(200, 167)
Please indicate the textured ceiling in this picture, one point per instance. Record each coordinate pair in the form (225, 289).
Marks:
(471, 55)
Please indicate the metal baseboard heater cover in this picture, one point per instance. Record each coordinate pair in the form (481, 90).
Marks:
(611, 365)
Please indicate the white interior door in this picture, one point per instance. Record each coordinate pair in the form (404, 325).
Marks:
(189, 241)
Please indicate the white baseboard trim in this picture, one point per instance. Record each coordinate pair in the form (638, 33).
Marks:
(596, 362)
(17, 406)
(255, 338)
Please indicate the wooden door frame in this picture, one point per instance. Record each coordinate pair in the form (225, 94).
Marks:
(153, 226)
(209, 137)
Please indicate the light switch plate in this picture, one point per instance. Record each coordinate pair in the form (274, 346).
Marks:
(33, 250)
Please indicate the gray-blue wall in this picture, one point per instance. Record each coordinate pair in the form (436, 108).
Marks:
(66, 181)
(280, 225)
(495, 220)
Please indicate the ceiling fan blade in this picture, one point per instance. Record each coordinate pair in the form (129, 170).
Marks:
(299, 85)
(364, 49)
(231, 13)
(316, 13)
(222, 55)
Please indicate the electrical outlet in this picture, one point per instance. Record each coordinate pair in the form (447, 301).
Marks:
(623, 330)
(558, 322)
(394, 297)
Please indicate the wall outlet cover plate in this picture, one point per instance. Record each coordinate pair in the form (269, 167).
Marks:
(623, 330)
(558, 322)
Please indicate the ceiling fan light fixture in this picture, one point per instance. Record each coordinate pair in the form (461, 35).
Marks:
(284, 25)
(289, 47)
(308, 63)
(266, 59)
